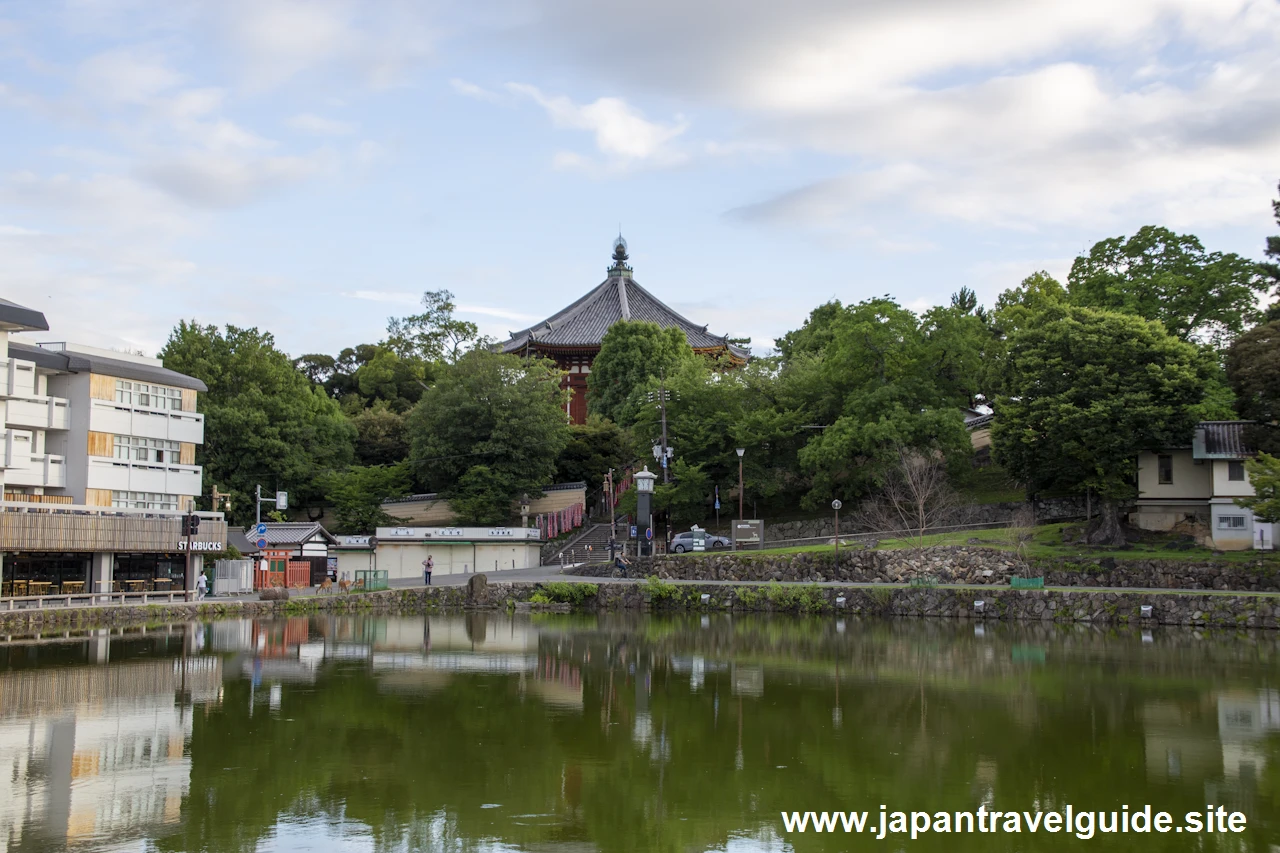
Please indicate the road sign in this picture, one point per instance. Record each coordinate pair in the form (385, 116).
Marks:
(648, 533)
(836, 505)
(261, 530)
(633, 531)
(261, 543)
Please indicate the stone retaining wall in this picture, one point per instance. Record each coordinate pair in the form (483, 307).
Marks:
(949, 564)
(999, 603)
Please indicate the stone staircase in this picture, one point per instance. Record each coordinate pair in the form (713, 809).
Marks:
(596, 537)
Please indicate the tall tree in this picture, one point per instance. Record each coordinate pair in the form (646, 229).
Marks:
(433, 335)
(593, 448)
(1085, 392)
(381, 437)
(1271, 268)
(1253, 371)
(1203, 297)
(357, 495)
(265, 422)
(632, 353)
(496, 411)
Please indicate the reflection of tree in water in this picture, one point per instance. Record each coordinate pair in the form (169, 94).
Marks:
(931, 717)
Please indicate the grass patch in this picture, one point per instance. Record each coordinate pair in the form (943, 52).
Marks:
(564, 592)
(1046, 543)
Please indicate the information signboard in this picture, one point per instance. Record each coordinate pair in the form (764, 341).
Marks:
(748, 533)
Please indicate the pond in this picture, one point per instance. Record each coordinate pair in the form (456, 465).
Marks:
(488, 732)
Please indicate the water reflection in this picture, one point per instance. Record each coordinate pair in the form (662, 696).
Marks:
(488, 732)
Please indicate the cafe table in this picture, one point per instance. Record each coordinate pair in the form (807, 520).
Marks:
(38, 587)
(135, 586)
(72, 587)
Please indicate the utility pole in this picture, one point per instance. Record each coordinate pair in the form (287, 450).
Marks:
(662, 395)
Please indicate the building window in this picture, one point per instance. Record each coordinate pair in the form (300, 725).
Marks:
(1235, 471)
(143, 500)
(156, 450)
(1231, 522)
(146, 396)
(1165, 465)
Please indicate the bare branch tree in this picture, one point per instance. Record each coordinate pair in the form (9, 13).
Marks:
(916, 497)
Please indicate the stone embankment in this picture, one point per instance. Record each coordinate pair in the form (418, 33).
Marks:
(1203, 609)
(950, 564)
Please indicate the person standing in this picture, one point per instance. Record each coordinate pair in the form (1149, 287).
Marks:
(427, 566)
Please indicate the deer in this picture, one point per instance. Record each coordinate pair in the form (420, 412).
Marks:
(326, 586)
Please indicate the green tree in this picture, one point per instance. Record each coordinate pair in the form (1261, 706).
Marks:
(497, 411)
(1264, 476)
(632, 353)
(357, 495)
(1271, 268)
(1016, 306)
(265, 422)
(593, 448)
(1204, 297)
(1086, 391)
(1253, 371)
(482, 495)
(381, 436)
(435, 334)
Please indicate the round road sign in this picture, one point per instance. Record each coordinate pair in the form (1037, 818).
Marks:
(261, 543)
(648, 533)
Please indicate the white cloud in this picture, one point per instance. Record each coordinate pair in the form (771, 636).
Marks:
(471, 90)
(216, 179)
(319, 125)
(622, 133)
(500, 313)
(391, 296)
(125, 76)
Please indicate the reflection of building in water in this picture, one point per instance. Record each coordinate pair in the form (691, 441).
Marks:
(96, 752)
(748, 680)
(1245, 718)
(697, 667)
(1221, 737)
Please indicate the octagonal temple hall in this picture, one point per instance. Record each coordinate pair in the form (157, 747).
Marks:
(572, 336)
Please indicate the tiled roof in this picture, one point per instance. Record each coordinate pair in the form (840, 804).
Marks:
(584, 323)
(1225, 438)
(237, 538)
(293, 533)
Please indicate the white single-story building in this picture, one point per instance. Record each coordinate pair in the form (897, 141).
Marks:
(400, 551)
(1200, 484)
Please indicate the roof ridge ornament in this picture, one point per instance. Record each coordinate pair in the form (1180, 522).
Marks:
(620, 257)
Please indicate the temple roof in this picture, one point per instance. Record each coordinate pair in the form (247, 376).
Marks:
(618, 297)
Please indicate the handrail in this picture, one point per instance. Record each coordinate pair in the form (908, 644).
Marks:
(93, 599)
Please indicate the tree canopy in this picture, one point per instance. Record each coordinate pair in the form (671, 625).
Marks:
(265, 423)
(1253, 371)
(357, 495)
(1204, 297)
(498, 412)
(1085, 392)
(632, 353)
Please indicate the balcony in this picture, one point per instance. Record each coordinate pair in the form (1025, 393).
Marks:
(39, 413)
(15, 449)
(17, 378)
(42, 470)
(122, 419)
(119, 475)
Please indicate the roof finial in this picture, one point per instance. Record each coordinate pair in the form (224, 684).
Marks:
(620, 255)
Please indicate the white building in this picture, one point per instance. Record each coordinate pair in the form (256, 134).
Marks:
(91, 443)
(1199, 484)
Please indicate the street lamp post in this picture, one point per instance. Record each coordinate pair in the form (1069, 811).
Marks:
(835, 505)
(644, 520)
(741, 450)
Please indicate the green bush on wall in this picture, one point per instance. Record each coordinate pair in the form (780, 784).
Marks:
(563, 592)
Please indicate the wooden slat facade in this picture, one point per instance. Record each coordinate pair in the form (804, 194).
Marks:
(102, 387)
(188, 453)
(102, 444)
(97, 497)
(45, 531)
(188, 400)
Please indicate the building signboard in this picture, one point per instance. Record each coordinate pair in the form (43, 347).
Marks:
(200, 546)
(748, 532)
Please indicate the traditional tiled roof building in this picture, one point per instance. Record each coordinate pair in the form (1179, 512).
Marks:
(572, 336)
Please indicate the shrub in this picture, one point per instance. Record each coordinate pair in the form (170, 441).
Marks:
(540, 598)
(658, 589)
(565, 592)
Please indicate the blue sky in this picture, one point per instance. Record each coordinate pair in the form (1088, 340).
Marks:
(312, 167)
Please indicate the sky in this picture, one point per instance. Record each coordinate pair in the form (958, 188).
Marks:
(310, 167)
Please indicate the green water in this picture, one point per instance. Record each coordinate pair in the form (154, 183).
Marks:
(624, 733)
